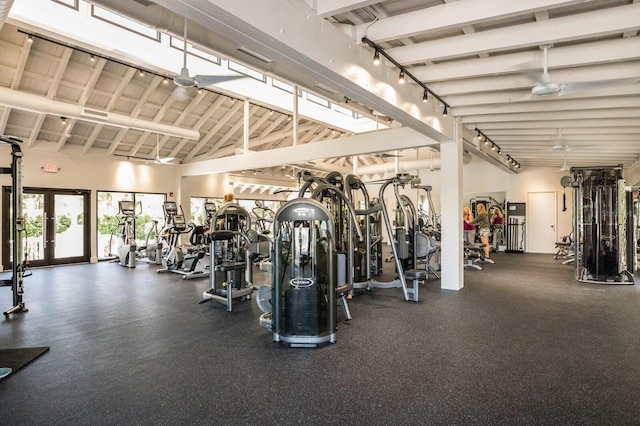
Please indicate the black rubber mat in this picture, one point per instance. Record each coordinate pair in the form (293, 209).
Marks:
(18, 358)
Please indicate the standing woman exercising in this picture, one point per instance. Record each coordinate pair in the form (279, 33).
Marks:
(484, 227)
(467, 227)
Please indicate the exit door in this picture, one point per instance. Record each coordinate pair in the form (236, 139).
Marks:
(56, 223)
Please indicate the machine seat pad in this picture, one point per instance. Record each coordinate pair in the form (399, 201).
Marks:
(222, 235)
(230, 266)
(415, 274)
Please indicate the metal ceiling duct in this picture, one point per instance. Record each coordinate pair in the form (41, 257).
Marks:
(42, 105)
(5, 7)
(406, 166)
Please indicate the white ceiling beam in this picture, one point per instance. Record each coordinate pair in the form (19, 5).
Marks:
(608, 74)
(556, 105)
(306, 50)
(618, 50)
(220, 142)
(591, 114)
(325, 8)
(235, 107)
(514, 96)
(566, 132)
(574, 27)
(569, 138)
(584, 123)
(202, 142)
(352, 145)
(457, 14)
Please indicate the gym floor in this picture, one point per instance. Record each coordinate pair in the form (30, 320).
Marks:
(522, 343)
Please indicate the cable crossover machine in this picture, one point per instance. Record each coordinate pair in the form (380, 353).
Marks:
(17, 222)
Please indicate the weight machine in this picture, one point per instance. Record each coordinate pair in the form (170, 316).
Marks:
(230, 255)
(301, 309)
(408, 243)
(18, 261)
(602, 227)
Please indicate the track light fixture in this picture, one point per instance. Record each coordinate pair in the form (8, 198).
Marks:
(511, 163)
(404, 74)
(140, 73)
(376, 58)
(444, 111)
(63, 120)
(92, 58)
(30, 38)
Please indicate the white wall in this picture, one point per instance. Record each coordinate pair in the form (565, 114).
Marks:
(84, 172)
(94, 174)
(542, 179)
(481, 177)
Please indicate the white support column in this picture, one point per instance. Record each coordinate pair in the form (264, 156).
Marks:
(245, 132)
(295, 114)
(451, 209)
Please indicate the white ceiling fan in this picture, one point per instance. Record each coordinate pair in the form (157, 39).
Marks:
(158, 159)
(184, 80)
(545, 86)
(560, 145)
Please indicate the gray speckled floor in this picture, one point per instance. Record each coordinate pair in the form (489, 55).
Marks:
(522, 343)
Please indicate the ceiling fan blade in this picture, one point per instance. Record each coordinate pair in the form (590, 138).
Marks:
(182, 93)
(207, 80)
(572, 87)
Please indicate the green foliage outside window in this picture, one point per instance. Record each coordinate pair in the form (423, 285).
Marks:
(107, 224)
(33, 226)
(64, 222)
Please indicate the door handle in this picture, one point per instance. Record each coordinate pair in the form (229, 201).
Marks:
(44, 229)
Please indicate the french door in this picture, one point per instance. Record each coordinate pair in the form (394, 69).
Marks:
(57, 226)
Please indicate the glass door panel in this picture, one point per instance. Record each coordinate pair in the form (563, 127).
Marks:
(35, 225)
(56, 223)
(69, 226)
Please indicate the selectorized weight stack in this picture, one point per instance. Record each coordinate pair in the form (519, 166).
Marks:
(230, 269)
(303, 286)
(601, 225)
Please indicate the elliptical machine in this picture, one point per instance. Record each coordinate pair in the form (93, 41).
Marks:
(128, 247)
(181, 260)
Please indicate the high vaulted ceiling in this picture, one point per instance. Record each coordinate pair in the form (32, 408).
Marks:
(481, 58)
(484, 58)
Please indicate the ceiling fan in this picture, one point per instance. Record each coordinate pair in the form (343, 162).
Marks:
(545, 86)
(559, 143)
(156, 160)
(561, 146)
(184, 80)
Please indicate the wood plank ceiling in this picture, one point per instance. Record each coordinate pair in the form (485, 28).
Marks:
(482, 58)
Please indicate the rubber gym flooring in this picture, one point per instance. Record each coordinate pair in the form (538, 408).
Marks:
(521, 344)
